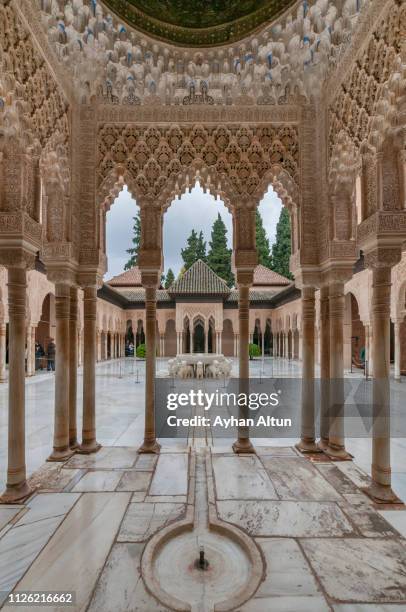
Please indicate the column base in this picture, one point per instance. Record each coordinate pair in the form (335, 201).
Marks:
(74, 444)
(88, 448)
(338, 453)
(16, 493)
(382, 494)
(149, 447)
(61, 455)
(307, 446)
(322, 444)
(243, 446)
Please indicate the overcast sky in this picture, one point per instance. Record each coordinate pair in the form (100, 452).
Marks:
(195, 210)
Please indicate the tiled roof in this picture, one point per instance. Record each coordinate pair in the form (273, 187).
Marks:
(255, 296)
(199, 280)
(130, 278)
(138, 295)
(265, 276)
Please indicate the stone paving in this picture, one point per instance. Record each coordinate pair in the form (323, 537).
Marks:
(326, 546)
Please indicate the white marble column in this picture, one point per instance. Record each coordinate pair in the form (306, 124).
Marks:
(61, 450)
(73, 367)
(79, 347)
(324, 367)
(381, 452)
(243, 443)
(397, 349)
(220, 342)
(89, 442)
(307, 443)
(17, 488)
(2, 352)
(206, 340)
(30, 351)
(336, 445)
(150, 282)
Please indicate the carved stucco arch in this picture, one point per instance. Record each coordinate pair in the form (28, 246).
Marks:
(231, 161)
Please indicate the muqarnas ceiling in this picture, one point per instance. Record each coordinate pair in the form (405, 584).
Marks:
(198, 23)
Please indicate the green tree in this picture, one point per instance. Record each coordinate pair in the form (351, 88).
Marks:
(170, 277)
(201, 248)
(219, 257)
(189, 253)
(263, 248)
(281, 249)
(136, 240)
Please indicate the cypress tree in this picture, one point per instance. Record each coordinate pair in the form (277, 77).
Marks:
(219, 257)
(136, 240)
(201, 248)
(170, 277)
(281, 249)
(189, 253)
(263, 248)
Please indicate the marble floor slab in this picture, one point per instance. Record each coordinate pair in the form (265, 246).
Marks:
(337, 478)
(144, 519)
(170, 477)
(360, 570)
(286, 604)
(354, 473)
(369, 608)
(47, 505)
(134, 481)
(120, 587)
(287, 572)
(276, 451)
(286, 518)
(396, 518)
(146, 463)
(298, 479)
(18, 549)
(7, 513)
(108, 458)
(99, 480)
(241, 478)
(369, 522)
(75, 555)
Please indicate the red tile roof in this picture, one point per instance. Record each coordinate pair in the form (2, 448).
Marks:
(265, 276)
(130, 278)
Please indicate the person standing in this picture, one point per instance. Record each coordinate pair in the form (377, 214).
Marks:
(51, 355)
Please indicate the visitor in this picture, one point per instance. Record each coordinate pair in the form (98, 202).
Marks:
(51, 355)
(39, 354)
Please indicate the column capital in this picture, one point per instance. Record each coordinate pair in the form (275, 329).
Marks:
(150, 278)
(383, 257)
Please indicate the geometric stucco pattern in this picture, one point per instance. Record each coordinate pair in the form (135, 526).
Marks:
(236, 159)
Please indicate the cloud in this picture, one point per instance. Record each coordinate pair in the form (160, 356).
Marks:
(196, 210)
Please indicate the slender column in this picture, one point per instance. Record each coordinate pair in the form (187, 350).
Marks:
(397, 350)
(2, 352)
(381, 461)
(99, 346)
(61, 449)
(17, 488)
(324, 367)
(150, 444)
(73, 367)
(206, 340)
(243, 443)
(29, 351)
(263, 344)
(89, 441)
(336, 445)
(220, 342)
(79, 347)
(307, 443)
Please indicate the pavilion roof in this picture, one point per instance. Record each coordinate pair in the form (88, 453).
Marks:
(199, 279)
(265, 276)
(129, 278)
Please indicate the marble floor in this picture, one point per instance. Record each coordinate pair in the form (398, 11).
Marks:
(120, 412)
(325, 545)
